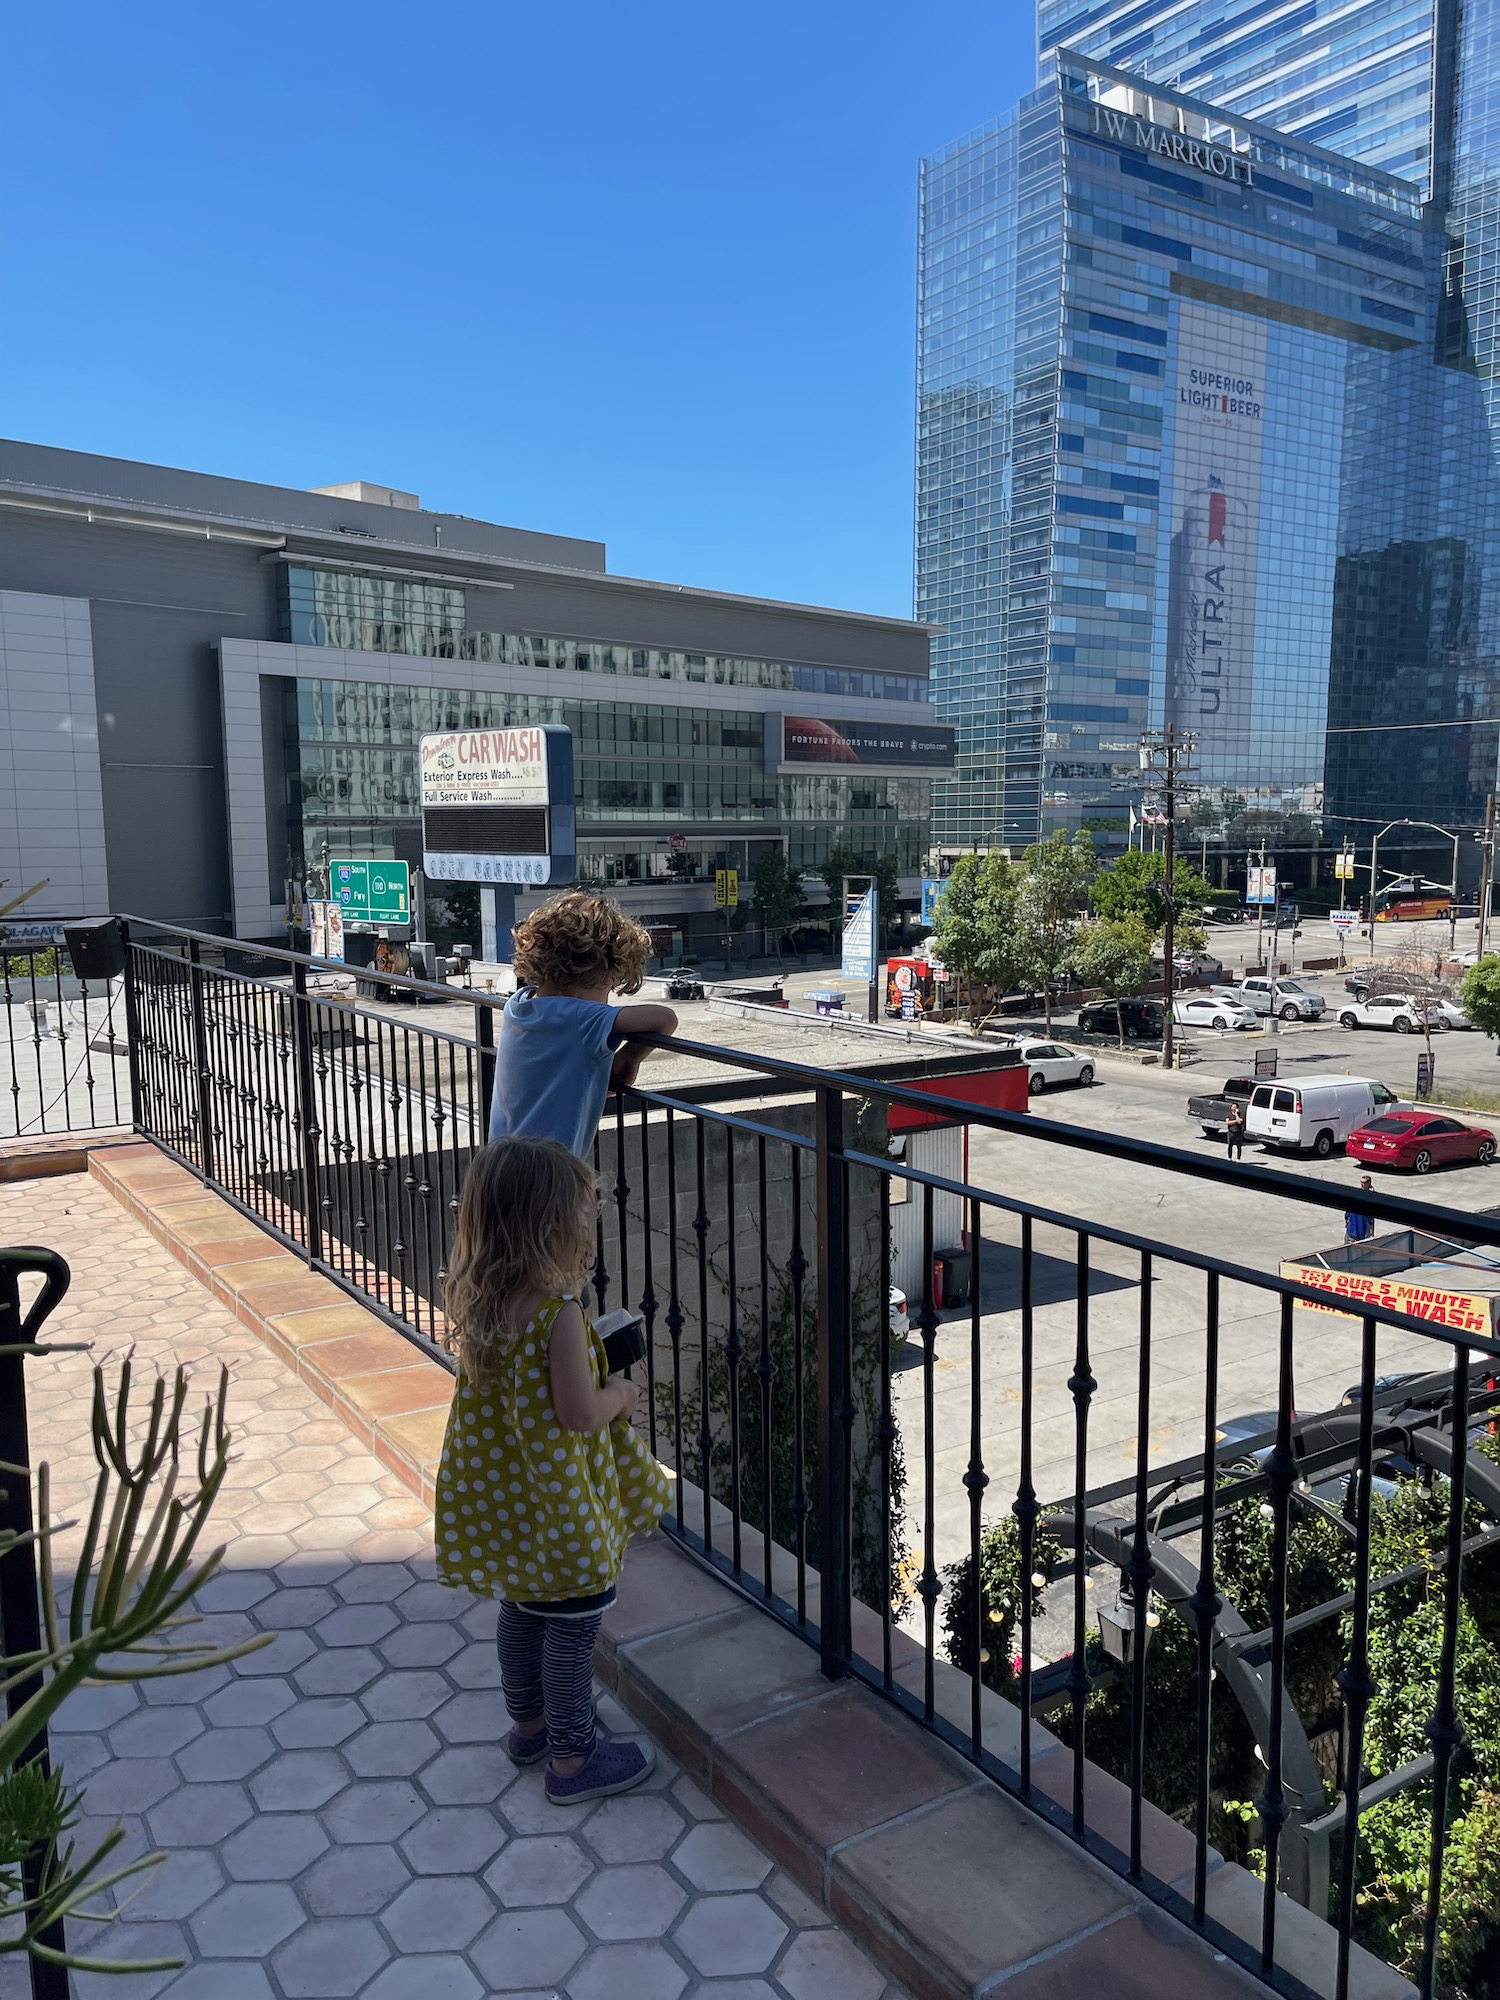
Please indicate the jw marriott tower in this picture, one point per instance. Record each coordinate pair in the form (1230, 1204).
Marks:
(1207, 422)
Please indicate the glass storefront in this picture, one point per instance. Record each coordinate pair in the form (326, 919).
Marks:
(350, 751)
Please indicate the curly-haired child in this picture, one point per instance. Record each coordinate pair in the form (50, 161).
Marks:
(560, 1047)
(542, 1480)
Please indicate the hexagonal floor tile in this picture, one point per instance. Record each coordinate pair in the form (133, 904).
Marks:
(319, 1723)
(274, 1847)
(528, 1948)
(421, 1645)
(357, 1625)
(537, 1870)
(332, 1956)
(644, 1971)
(391, 1749)
(633, 1902)
(246, 1921)
(299, 1781)
(354, 1881)
(729, 1934)
(718, 1856)
(344, 1671)
(175, 1887)
(437, 1913)
(434, 1978)
(454, 1840)
(824, 1965)
(199, 1815)
(225, 1753)
(639, 1827)
(373, 1811)
(247, 1703)
(472, 1776)
(402, 1697)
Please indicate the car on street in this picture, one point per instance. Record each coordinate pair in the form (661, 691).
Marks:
(1288, 999)
(1139, 1020)
(1418, 1141)
(1389, 1010)
(1197, 1010)
(1050, 1063)
(1197, 965)
(1453, 1015)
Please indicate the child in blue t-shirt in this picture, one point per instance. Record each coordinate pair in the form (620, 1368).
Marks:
(560, 1045)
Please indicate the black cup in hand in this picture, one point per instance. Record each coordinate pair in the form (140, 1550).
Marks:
(624, 1339)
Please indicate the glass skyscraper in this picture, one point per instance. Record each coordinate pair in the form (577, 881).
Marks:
(1205, 426)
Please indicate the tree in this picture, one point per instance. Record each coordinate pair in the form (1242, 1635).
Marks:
(1135, 884)
(1480, 994)
(977, 934)
(778, 894)
(1054, 886)
(1114, 955)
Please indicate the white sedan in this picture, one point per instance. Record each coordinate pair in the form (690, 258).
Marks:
(1453, 1015)
(1050, 1062)
(1209, 1011)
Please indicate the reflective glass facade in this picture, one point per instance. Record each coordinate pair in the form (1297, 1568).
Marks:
(1185, 446)
(642, 771)
(1353, 78)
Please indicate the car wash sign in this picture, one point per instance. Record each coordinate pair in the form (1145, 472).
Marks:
(497, 806)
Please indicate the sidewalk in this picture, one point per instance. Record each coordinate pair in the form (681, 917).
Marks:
(337, 1816)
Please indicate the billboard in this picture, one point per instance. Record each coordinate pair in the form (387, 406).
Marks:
(1213, 516)
(497, 805)
(898, 749)
(1260, 885)
(1472, 1312)
(859, 940)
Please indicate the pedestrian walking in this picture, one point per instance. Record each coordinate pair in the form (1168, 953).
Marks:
(1234, 1131)
(542, 1481)
(1358, 1225)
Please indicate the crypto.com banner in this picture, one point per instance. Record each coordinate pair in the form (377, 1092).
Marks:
(1214, 516)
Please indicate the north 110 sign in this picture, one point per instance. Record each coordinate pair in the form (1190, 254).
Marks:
(497, 806)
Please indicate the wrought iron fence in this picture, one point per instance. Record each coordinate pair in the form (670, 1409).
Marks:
(929, 1512)
(62, 1056)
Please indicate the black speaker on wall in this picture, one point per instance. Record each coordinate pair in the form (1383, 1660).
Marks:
(97, 949)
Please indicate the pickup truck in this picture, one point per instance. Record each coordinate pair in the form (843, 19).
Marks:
(1211, 1111)
(1284, 997)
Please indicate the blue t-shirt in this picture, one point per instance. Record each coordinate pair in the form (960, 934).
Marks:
(552, 1069)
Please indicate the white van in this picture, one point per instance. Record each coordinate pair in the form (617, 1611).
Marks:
(1314, 1113)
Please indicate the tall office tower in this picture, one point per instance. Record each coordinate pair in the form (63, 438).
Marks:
(1200, 440)
(1355, 78)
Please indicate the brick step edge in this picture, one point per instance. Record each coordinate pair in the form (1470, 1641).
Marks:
(42, 1155)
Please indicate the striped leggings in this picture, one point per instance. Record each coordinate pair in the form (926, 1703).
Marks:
(547, 1668)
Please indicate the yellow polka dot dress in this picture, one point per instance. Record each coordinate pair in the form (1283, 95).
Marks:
(525, 1509)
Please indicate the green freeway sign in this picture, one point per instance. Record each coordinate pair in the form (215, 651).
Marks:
(371, 892)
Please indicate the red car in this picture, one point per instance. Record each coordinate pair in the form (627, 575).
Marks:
(1420, 1140)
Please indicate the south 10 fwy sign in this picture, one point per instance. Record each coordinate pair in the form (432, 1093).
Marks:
(1127, 129)
(497, 806)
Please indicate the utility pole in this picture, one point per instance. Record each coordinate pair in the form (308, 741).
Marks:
(1166, 755)
(1486, 870)
(1260, 910)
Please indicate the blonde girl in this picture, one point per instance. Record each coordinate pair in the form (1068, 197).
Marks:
(542, 1480)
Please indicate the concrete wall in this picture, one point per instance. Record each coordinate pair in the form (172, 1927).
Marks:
(51, 809)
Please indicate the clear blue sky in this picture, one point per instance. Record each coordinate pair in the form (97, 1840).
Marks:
(639, 272)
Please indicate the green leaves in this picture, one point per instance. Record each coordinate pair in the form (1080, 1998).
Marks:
(1480, 994)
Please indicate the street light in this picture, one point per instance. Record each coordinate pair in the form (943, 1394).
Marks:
(1444, 834)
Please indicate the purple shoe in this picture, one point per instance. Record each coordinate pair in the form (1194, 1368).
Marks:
(613, 1766)
(524, 1750)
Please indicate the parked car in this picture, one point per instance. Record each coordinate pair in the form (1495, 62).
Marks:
(1359, 978)
(1210, 1109)
(1286, 998)
(1389, 1010)
(1316, 1113)
(1453, 1015)
(1050, 1062)
(1197, 965)
(1205, 1011)
(1139, 1019)
(1417, 1140)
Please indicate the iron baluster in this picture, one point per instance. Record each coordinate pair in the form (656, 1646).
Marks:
(796, 1266)
(307, 1117)
(765, 1371)
(834, 1555)
(674, 1313)
(1445, 1729)
(886, 1433)
(700, 1231)
(929, 1586)
(1081, 1386)
(1281, 1472)
(1355, 1682)
(1205, 1603)
(200, 1063)
(1026, 1507)
(976, 1479)
(732, 1347)
(1140, 1570)
(648, 1290)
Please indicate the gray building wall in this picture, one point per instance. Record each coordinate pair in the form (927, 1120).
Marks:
(171, 563)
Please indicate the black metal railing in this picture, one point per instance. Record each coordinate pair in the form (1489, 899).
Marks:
(62, 1045)
(916, 1508)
